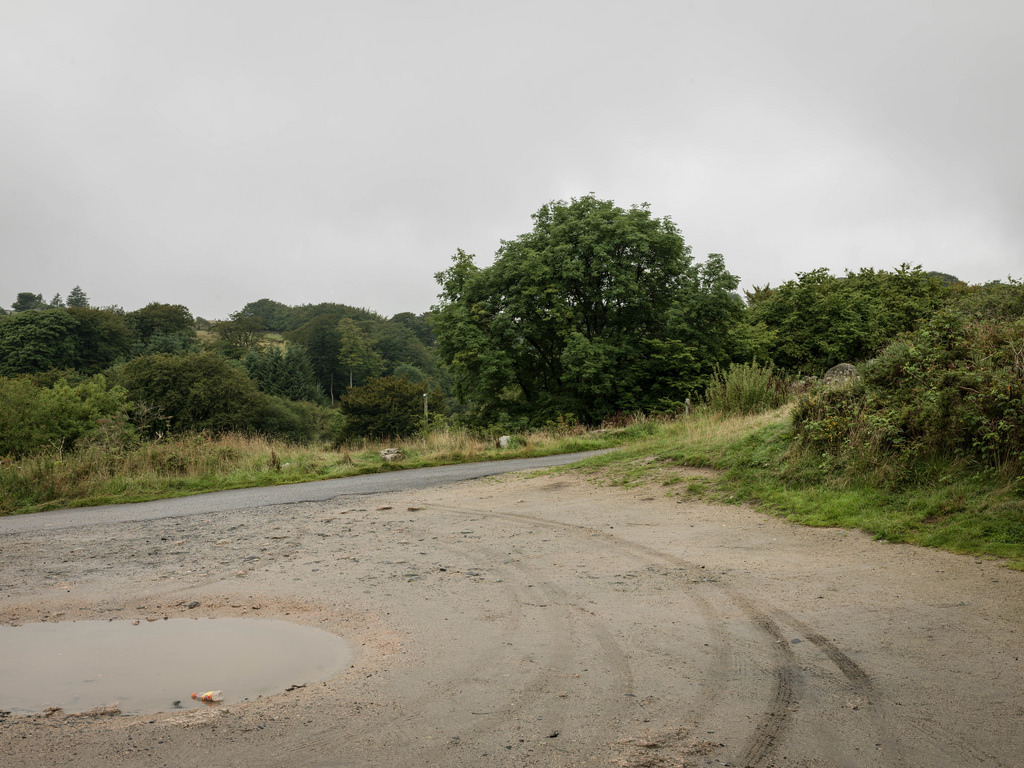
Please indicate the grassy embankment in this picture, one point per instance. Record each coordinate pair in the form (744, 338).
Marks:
(957, 508)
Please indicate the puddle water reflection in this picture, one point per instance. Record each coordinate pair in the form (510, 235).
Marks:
(149, 666)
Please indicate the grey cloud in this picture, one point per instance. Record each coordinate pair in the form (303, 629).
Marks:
(214, 153)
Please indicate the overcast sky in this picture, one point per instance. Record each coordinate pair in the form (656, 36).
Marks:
(215, 152)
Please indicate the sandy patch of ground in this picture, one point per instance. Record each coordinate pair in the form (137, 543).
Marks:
(548, 621)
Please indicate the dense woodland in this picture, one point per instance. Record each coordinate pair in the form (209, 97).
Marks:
(598, 311)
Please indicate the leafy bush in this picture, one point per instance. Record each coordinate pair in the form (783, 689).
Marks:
(382, 408)
(37, 340)
(958, 386)
(819, 320)
(745, 389)
(34, 418)
(953, 390)
(296, 422)
(191, 392)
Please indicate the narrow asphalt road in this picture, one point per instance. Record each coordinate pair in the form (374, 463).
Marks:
(249, 498)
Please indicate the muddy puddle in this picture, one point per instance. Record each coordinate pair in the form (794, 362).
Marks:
(149, 667)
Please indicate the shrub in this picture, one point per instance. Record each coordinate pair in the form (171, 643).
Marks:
(382, 408)
(296, 422)
(952, 389)
(33, 418)
(819, 320)
(192, 392)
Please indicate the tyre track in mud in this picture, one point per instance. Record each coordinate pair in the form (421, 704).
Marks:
(783, 700)
(532, 608)
(535, 609)
(770, 729)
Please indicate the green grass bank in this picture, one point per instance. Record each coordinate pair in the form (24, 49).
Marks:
(950, 504)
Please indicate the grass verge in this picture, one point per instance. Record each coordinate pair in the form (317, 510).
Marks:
(954, 506)
(199, 463)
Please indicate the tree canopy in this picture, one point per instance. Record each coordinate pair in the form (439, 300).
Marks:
(102, 338)
(77, 298)
(192, 391)
(35, 340)
(239, 335)
(587, 314)
(287, 374)
(819, 320)
(27, 300)
(162, 319)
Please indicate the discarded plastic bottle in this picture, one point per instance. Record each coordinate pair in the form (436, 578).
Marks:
(209, 697)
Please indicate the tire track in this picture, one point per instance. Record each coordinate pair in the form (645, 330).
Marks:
(543, 629)
(783, 700)
(775, 721)
(861, 685)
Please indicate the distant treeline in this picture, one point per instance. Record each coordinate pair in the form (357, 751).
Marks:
(71, 373)
(596, 312)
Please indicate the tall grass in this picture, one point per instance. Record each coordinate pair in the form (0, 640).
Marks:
(698, 440)
(746, 388)
(175, 466)
(199, 462)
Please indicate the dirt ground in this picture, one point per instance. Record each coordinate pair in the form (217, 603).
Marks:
(548, 621)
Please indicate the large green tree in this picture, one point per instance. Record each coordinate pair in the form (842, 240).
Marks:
(77, 298)
(239, 335)
(418, 324)
(286, 374)
(26, 301)
(37, 340)
(357, 353)
(163, 328)
(321, 339)
(597, 309)
(400, 344)
(273, 315)
(102, 337)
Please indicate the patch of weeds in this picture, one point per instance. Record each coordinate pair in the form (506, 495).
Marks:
(698, 487)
